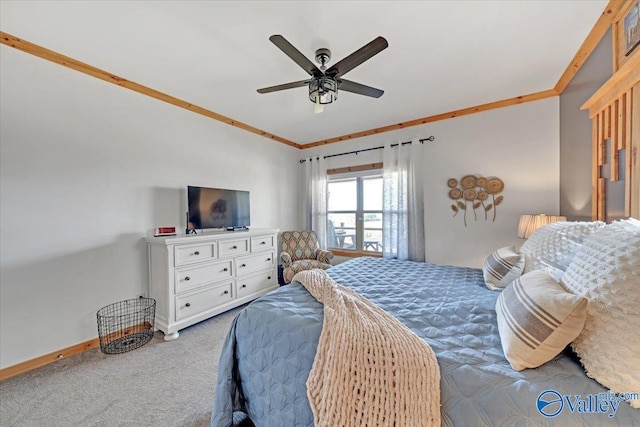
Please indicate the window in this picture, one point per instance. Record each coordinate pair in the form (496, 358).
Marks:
(354, 211)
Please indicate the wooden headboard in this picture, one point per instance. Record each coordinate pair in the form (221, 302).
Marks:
(615, 114)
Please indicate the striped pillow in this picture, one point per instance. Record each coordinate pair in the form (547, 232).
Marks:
(537, 319)
(501, 267)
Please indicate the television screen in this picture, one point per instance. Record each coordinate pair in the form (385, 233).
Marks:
(217, 208)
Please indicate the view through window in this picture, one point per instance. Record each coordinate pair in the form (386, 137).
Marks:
(354, 212)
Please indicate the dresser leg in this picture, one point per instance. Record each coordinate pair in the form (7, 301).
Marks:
(171, 337)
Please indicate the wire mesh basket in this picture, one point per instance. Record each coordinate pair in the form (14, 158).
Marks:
(126, 325)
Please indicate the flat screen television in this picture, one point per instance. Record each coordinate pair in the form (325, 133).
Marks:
(217, 208)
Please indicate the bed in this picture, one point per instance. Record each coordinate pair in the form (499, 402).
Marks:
(272, 343)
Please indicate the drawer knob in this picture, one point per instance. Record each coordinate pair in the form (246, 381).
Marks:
(234, 247)
(243, 286)
(269, 278)
(225, 269)
(243, 265)
(196, 253)
(263, 243)
(187, 278)
(188, 304)
(268, 259)
(225, 292)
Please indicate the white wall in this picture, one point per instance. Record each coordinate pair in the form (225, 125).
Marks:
(87, 170)
(519, 144)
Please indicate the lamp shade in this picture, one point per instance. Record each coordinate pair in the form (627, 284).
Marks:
(530, 223)
(323, 90)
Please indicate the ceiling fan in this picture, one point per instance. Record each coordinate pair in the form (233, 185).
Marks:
(324, 83)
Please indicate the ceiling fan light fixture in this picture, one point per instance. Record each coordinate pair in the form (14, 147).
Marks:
(323, 90)
(317, 107)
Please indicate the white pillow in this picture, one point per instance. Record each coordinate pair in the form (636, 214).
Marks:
(501, 267)
(553, 246)
(537, 319)
(606, 271)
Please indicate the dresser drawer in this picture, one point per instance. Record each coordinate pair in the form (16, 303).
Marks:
(233, 247)
(250, 284)
(262, 243)
(185, 255)
(196, 302)
(247, 264)
(192, 277)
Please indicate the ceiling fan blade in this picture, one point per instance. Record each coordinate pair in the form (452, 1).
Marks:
(358, 57)
(284, 86)
(295, 54)
(360, 89)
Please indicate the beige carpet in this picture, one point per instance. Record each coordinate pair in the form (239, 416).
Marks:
(162, 384)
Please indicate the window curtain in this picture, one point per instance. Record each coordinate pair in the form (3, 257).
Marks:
(403, 202)
(316, 198)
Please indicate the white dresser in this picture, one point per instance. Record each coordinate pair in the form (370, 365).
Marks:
(194, 277)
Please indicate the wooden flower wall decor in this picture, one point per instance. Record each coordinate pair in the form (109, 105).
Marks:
(476, 193)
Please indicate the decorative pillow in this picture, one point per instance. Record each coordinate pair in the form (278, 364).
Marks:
(537, 319)
(501, 267)
(606, 271)
(553, 246)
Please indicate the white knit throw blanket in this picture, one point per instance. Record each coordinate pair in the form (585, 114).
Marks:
(370, 369)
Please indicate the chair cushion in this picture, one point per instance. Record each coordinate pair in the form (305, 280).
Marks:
(300, 244)
(305, 264)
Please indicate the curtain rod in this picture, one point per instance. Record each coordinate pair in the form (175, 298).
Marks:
(431, 138)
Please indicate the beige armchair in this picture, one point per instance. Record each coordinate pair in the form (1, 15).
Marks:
(301, 251)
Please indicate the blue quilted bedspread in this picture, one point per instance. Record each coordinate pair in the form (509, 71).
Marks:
(271, 345)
